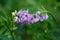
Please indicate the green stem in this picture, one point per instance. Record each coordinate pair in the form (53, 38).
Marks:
(12, 35)
(54, 19)
(13, 38)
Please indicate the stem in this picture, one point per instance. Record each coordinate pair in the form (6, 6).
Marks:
(54, 19)
(7, 26)
(13, 38)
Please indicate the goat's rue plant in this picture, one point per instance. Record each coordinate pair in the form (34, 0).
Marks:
(24, 17)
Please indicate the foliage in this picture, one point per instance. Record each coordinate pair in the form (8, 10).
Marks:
(48, 30)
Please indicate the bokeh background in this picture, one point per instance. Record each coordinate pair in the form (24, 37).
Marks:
(48, 30)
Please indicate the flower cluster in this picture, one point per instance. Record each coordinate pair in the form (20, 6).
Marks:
(23, 16)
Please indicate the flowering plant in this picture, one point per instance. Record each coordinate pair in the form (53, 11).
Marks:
(23, 16)
(40, 22)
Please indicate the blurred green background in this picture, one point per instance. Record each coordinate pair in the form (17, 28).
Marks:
(48, 30)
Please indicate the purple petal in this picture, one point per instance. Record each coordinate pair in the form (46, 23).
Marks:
(37, 18)
(45, 17)
(21, 13)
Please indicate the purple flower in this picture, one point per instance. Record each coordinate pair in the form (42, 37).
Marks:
(45, 17)
(37, 17)
(25, 17)
(22, 16)
(21, 13)
(30, 19)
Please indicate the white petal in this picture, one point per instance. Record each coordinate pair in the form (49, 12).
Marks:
(15, 18)
(13, 13)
